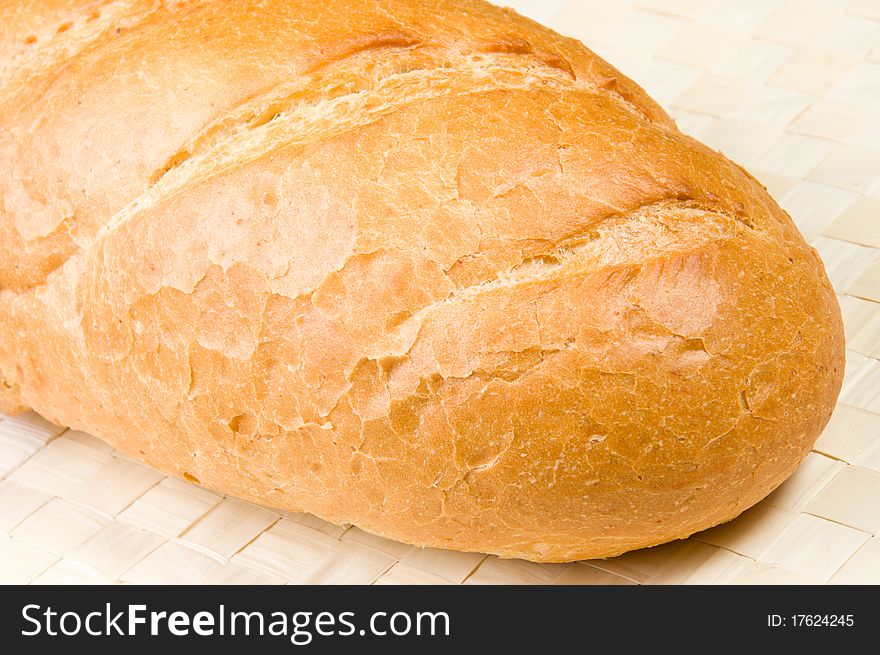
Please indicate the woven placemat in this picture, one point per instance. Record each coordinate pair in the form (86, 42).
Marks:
(791, 90)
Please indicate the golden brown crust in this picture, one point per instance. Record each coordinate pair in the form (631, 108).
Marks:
(433, 270)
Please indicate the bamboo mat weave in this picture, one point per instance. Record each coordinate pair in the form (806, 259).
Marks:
(791, 90)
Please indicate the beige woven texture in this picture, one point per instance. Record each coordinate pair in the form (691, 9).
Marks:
(791, 90)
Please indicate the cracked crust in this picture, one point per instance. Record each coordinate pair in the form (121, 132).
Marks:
(458, 282)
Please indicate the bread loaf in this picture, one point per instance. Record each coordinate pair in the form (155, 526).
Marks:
(421, 266)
